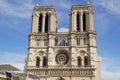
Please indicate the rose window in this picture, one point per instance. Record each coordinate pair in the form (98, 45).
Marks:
(62, 58)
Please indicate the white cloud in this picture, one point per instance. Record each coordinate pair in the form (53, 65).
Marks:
(112, 6)
(63, 4)
(107, 75)
(14, 59)
(110, 69)
(102, 23)
(62, 29)
(23, 10)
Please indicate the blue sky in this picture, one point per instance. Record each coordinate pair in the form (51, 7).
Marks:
(15, 24)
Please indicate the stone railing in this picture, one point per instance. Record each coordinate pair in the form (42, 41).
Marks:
(62, 71)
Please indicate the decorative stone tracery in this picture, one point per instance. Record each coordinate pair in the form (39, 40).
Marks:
(62, 58)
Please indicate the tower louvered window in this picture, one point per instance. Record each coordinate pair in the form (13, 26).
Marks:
(37, 62)
(44, 62)
(40, 23)
(46, 23)
(86, 61)
(78, 41)
(84, 22)
(79, 61)
(78, 22)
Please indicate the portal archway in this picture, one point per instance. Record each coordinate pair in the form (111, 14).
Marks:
(60, 78)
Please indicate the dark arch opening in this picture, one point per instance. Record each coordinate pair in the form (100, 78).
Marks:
(84, 22)
(86, 61)
(44, 62)
(37, 62)
(40, 23)
(78, 22)
(78, 41)
(79, 61)
(63, 42)
(46, 23)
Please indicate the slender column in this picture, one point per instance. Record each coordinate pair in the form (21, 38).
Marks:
(35, 20)
(72, 40)
(91, 21)
(81, 41)
(42, 42)
(43, 23)
(75, 21)
(72, 21)
(49, 21)
(87, 21)
(81, 21)
(52, 22)
(82, 61)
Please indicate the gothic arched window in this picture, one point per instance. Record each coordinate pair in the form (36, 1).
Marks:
(84, 22)
(40, 23)
(86, 61)
(79, 61)
(78, 41)
(85, 41)
(37, 62)
(46, 23)
(45, 42)
(78, 22)
(63, 42)
(44, 62)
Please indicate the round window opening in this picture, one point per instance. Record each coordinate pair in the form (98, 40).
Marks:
(62, 58)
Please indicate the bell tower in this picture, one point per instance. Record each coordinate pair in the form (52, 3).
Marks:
(83, 38)
(81, 18)
(44, 19)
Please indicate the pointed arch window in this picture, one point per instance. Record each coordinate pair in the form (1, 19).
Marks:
(44, 62)
(84, 22)
(78, 41)
(63, 42)
(78, 22)
(86, 61)
(40, 23)
(37, 62)
(79, 61)
(85, 41)
(45, 42)
(46, 23)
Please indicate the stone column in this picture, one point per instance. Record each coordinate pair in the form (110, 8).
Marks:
(49, 21)
(81, 41)
(81, 21)
(82, 61)
(42, 42)
(73, 40)
(52, 22)
(43, 23)
(91, 21)
(74, 22)
(35, 20)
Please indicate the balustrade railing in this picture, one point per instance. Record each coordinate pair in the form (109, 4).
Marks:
(62, 71)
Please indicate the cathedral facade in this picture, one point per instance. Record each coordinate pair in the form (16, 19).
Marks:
(54, 55)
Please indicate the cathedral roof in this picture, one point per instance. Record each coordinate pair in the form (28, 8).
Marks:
(8, 67)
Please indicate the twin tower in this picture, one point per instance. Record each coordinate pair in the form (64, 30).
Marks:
(54, 55)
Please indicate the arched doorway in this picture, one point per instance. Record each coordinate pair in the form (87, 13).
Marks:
(60, 78)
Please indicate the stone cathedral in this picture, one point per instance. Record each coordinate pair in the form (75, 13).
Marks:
(71, 55)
